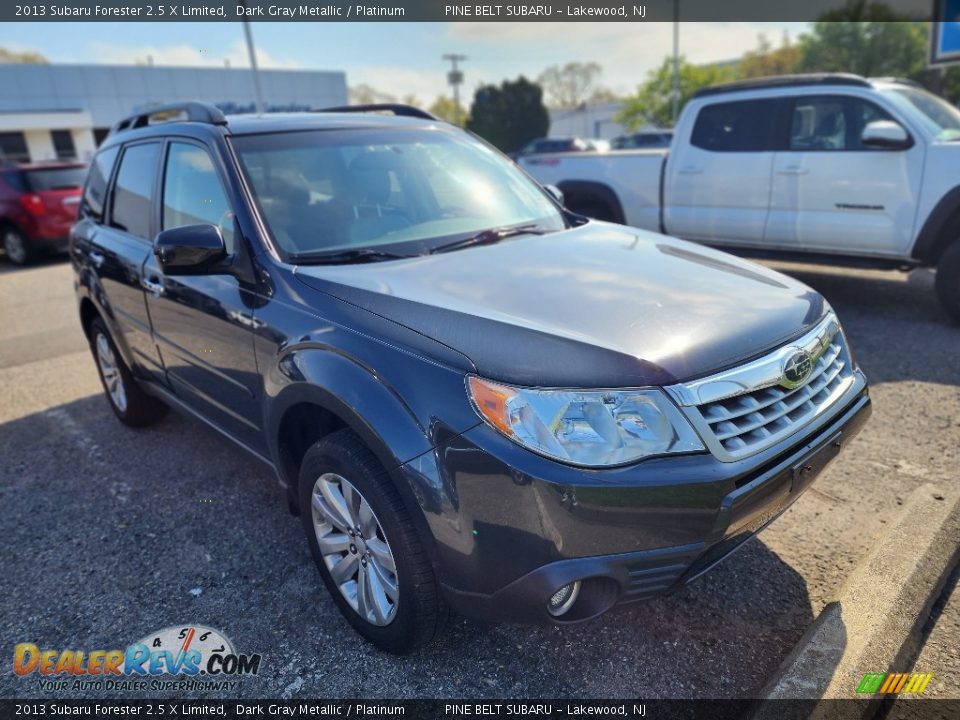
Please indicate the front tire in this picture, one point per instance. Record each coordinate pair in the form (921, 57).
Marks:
(948, 281)
(129, 402)
(18, 249)
(369, 553)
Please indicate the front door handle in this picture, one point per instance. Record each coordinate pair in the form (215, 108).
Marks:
(793, 170)
(690, 170)
(152, 285)
(97, 258)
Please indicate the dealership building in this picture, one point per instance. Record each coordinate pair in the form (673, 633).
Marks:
(51, 112)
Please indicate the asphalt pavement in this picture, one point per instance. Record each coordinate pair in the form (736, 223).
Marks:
(112, 533)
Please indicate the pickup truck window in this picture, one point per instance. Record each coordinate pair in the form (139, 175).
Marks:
(192, 193)
(939, 117)
(831, 122)
(337, 190)
(741, 126)
(95, 193)
(133, 190)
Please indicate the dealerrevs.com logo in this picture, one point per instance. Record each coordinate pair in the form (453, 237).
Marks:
(188, 657)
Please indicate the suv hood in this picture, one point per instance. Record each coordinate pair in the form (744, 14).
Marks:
(599, 305)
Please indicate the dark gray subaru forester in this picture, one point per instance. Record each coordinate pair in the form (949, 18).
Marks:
(475, 399)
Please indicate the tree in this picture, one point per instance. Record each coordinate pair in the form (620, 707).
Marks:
(14, 56)
(509, 116)
(868, 48)
(653, 101)
(445, 109)
(766, 61)
(572, 84)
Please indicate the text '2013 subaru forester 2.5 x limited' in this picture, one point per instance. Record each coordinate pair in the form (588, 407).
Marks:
(475, 399)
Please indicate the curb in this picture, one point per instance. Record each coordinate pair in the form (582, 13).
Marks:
(874, 622)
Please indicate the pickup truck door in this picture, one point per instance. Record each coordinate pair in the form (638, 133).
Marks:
(717, 185)
(114, 251)
(832, 194)
(203, 323)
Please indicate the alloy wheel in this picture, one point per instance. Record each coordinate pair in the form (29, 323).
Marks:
(355, 549)
(110, 369)
(14, 246)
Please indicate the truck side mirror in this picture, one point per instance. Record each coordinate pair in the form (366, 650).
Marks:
(189, 250)
(885, 135)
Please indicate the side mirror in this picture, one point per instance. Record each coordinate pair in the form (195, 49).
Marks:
(555, 192)
(189, 250)
(886, 135)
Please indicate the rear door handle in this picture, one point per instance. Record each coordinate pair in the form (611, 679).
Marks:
(793, 170)
(690, 170)
(153, 285)
(97, 258)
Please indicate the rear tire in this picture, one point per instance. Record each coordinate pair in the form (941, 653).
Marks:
(18, 249)
(385, 585)
(129, 402)
(948, 281)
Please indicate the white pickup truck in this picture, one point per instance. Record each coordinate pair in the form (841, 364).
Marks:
(825, 168)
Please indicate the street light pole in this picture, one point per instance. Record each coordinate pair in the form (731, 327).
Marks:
(455, 78)
(676, 61)
(253, 64)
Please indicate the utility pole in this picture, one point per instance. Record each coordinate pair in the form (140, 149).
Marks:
(253, 64)
(676, 61)
(455, 78)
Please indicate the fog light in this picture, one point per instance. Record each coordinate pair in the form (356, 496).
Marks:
(563, 599)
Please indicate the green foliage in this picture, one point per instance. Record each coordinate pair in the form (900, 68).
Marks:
(572, 84)
(871, 49)
(509, 116)
(654, 99)
(13, 56)
(445, 109)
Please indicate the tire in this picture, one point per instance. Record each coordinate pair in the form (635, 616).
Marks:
(129, 402)
(18, 249)
(415, 615)
(948, 281)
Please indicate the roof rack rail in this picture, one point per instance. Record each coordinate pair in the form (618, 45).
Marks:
(189, 111)
(398, 109)
(778, 81)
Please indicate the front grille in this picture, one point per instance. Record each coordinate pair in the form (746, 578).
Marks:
(737, 424)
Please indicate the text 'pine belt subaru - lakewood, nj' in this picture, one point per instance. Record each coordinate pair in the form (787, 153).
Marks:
(476, 400)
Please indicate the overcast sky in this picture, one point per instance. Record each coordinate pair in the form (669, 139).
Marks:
(398, 58)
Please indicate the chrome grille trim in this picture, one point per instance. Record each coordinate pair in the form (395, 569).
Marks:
(747, 409)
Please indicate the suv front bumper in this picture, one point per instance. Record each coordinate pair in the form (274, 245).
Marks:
(512, 528)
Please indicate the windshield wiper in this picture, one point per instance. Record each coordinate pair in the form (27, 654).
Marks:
(344, 257)
(491, 236)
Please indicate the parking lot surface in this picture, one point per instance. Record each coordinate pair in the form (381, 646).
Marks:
(113, 533)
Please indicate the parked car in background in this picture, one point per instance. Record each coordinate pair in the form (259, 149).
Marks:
(475, 399)
(646, 140)
(562, 145)
(38, 204)
(823, 168)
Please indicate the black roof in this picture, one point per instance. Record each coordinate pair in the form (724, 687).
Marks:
(780, 81)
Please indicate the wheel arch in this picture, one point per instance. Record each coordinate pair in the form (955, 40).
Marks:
(940, 230)
(584, 192)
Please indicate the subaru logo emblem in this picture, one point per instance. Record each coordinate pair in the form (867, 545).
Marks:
(797, 369)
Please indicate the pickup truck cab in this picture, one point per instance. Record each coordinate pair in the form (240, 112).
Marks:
(818, 168)
(474, 399)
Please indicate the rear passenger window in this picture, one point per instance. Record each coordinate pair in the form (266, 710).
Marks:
(133, 190)
(192, 193)
(743, 126)
(95, 193)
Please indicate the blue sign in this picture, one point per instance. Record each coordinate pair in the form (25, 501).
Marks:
(945, 33)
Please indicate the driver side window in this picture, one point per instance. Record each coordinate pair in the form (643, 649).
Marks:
(192, 192)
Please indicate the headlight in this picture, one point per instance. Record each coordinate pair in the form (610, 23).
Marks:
(591, 428)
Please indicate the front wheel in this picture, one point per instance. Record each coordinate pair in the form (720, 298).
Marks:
(129, 402)
(948, 281)
(369, 553)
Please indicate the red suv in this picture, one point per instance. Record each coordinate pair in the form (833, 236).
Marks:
(38, 204)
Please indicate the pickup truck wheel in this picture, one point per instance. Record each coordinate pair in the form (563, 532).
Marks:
(18, 249)
(127, 399)
(368, 551)
(948, 281)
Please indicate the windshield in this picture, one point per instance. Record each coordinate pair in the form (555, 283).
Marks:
(405, 190)
(62, 178)
(937, 115)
